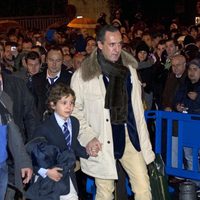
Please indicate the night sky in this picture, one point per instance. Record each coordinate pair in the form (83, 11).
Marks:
(10, 8)
(151, 9)
(157, 9)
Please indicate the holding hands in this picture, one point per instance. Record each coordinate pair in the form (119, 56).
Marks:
(93, 147)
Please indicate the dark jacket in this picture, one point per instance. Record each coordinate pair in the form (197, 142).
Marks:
(41, 88)
(47, 156)
(145, 71)
(21, 105)
(51, 131)
(182, 97)
(171, 87)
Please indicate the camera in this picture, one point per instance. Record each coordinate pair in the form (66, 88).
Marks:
(13, 48)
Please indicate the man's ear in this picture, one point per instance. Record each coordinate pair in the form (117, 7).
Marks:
(100, 45)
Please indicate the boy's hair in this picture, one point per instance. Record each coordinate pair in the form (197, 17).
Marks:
(58, 91)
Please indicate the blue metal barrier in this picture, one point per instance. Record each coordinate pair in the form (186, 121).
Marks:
(186, 127)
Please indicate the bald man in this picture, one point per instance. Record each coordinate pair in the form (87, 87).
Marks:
(174, 80)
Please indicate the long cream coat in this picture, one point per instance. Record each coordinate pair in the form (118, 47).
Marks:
(88, 84)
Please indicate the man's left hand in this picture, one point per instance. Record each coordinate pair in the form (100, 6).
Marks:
(26, 174)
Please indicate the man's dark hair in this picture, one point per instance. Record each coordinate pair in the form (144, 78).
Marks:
(55, 48)
(27, 40)
(41, 49)
(161, 42)
(32, 55)
(102, 31)
(10, 44)
(171, 39)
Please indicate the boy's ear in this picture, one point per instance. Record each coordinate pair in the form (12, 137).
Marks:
(52, 105)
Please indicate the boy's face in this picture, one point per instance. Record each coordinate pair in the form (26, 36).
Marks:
(64, 106)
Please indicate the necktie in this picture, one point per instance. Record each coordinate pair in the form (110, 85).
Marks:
(66, 134)
(52, 80)
(29, 82)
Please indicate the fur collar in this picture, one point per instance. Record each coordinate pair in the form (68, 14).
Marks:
(90, 67)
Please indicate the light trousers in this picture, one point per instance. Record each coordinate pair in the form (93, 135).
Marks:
(134, 165)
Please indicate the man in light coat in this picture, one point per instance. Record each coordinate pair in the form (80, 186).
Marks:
(111, 115)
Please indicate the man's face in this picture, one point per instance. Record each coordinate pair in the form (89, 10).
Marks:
(54, 61)
(8, 53)
(170, 48)
(13, 38)
(148, 40)
(193, 33)
(178, 66)
(33, 66)
(194, 73)
(91, 45)
(139, 33)
(26, 46)
(112, 45)
(160, 48)
(78, 59)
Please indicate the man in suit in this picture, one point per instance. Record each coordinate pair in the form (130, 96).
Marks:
(61, 130)
(42, 82)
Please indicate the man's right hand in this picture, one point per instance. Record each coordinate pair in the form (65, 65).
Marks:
(54, 173)
(93, 147)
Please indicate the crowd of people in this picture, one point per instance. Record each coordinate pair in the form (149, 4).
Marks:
(70, 95)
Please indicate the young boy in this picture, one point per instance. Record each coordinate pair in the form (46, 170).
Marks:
(60, 130)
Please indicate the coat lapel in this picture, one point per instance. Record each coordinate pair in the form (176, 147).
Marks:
(58, 134)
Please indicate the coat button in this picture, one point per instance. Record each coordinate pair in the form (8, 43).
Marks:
(107, 120)
(108, 142)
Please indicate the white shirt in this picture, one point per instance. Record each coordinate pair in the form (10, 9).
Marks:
(57, 76)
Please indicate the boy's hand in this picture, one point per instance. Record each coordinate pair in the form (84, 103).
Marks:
(55, 174)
